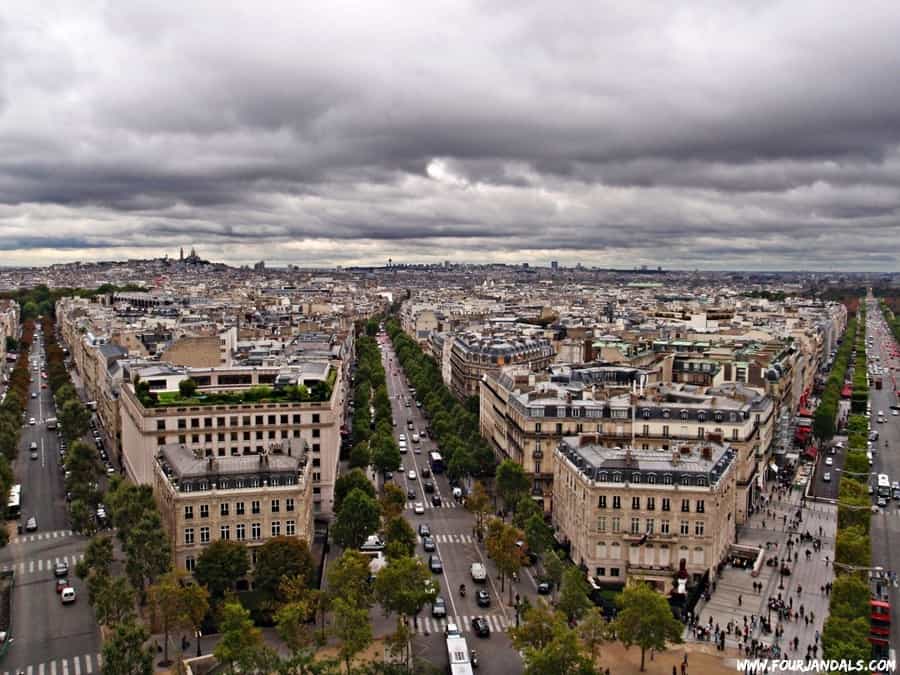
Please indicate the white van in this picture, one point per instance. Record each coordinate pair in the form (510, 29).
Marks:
(479, 573)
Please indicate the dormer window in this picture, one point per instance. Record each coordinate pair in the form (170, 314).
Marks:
(635, 477)
(604, 477)
(701, 416)
(719, 416)
(666, 414)
(667, 479)
(651, 478)
(684, 414)
(685, 480)
(646, 413)
(617, 477)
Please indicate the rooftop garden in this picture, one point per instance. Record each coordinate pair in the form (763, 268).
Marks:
(188, 394)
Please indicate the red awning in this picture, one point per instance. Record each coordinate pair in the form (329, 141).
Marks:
(812, 451)
(805, 412)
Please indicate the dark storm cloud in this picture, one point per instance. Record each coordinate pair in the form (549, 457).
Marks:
(703, 133)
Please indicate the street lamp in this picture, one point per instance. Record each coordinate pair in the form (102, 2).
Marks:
(518, 608)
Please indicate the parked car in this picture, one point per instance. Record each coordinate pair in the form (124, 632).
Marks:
(424, 530)
(419, 508)
(435, 500)
(435, 564)
(428, 545)
(61, 584)
(428, 485)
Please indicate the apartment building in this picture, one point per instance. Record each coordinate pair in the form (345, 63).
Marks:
(629, 512)
(245, 498)
(525, 415)
(475, 355)
(9, 324)
(224, 419)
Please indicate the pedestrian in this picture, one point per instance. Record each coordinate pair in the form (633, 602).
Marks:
(740, 600)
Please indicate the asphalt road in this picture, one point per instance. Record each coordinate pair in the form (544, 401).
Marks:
(886, 523)
(452, 528)
(49, 638)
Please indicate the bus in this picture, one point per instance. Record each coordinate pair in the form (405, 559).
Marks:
(884, 486)
(458, 651)
(14, 503)
(879, 622)
(436, 462)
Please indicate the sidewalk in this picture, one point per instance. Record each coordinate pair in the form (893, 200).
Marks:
(734, 599)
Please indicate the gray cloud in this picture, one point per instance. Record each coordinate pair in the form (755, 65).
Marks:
(711, 134)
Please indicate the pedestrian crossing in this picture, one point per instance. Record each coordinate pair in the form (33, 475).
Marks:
(453, 538)
(74, 665)
(431, 625)
(445, 504)
(41, 536)
(43, 564)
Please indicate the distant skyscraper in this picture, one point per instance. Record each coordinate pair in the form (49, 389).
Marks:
(554, 265)
(181, 254)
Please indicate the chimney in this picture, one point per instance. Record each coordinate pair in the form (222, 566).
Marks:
(706, 452)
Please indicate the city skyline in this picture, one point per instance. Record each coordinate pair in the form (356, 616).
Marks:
(720, 136)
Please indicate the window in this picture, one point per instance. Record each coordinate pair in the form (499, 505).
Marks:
(617, 502)
(289, 504)
(246, 421)
(665, 431)
(651, 503)
(316, 433)
(601, 524)
(664, 526)
(315, 419)
(700, 506)
(651, 478)
(734, 435)
(645, 431)
(204, 510)
(296, 419)
(284, 419)
(254, 506)
(220, 421)
(204, 535)
(190, 564)
(667, 479)
(636, 503)
(316, 447)
(649, 525)
(685, 505)
(601, 571)
(188, 536)
(698, 528)
(276, 506)
(195, 438)
(182, 439)
(207, 422)
(240, 532)
(601, 502)
(233, 421)
(685, 480)
(613, 571)
(700, 432)
(635, 477)
(207, 438)
(259, 420)
(188, 512)
(685, 528)
(255, 531)
(616, 524)
(195, 423)
(223, 509)
(276, 528)
(666, 504)
(225, 532)
(182, 423)
(239, 506)
(290, 528)
(635, 526)
(160, 425)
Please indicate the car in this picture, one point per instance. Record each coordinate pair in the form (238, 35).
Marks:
(31, 524)
(543, 588)
(110, 470)
(827, 477)
(832, 450)
(415, 437)
(31, 421)
(829, 461)
(426, 472)
(435, 500)
(411, 475)
(428, 545)
(483, 598)
(402, 437)
(480, 627)
(417, 449)
(424, 530)
(61, 584)
(410, 494)
(61, 569)
(43, 385)
(439, 608)
(882, 502)
(34, 394)
(419, 508)
(67, 596)
(34, 454)
(895, 413)
(435, 564)
(388, 475)
(428, 485)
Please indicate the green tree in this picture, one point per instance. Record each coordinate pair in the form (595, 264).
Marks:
(502, 544)
(539, 625)
(404, 586)
(147, 551)
(399, 537)
(82, 518)
(479, 504)
(180, 604)
(844, 638)
(573, 596)
(554, 568)
(385, 454)
(594, 630)
(360, 457)
(526, 507)
(645, 619)
(124, 652)
(348, 578)
(98, 558)
(562, 655)
(74, 419)
(220, 565)
(352, 628)
(114, 600)
(358, 517)
(512, 483)
(538, 534)
(187, 388)
(241, 647)
(282, 557)
(354, 479)
(849, 596)
(392, 501)
(852, 547)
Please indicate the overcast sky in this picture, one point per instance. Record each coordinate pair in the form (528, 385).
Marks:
(755, 134)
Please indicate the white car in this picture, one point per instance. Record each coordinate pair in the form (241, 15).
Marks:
(411, 475)
(419, 508)
(415, 438)
(829, 461)
(32, 421)
(67, 596)
(827, 477)
(402, 437)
